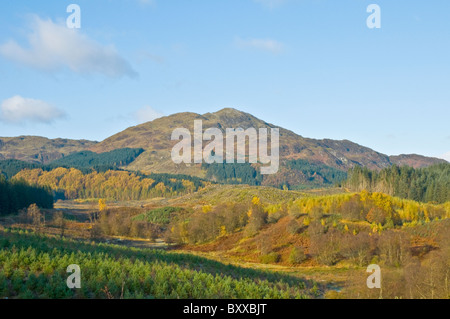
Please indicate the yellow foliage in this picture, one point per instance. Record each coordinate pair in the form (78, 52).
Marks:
(223, 231)
(161, 187)
(256, 201)
(272, 209)
(364, 195)
(306, 221)
(190, 186)
(206, 209)
(101, 205)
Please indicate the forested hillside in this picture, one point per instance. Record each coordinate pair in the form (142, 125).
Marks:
(233, 173)
(430, 184)
(328, 175)
(376, 211)
(295, 174)
(17, 194)
(114, 185)
(10, 167)
(85, 161)
(99, 162)
(408, 239)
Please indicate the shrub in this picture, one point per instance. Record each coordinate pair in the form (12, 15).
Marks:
(271, 258)
(377, 215)
(293, 227)
(297, 256)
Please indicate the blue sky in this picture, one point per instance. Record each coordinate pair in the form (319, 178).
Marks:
(312, 66)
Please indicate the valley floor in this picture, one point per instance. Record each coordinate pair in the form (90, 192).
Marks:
(344, 279)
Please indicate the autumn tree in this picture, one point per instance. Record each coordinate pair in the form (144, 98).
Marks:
(35, 216)
(60, 222)
(257, 217)
(297, 255)
(394, 247)
(102, 205)
(377, 215)
(357, 247)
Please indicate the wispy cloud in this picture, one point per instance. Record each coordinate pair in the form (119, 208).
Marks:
(145, 55)
(19, 110)
(53, 47)
(270, 3)
(146, 114)
(268, 45)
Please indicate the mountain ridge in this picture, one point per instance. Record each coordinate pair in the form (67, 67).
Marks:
(154, 138)
(38, 149)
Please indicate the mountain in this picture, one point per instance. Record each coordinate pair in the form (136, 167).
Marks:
(302, 160)
(155, 138)
(35, 149)
(415, 161)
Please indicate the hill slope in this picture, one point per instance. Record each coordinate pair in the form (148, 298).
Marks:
(154, 137)
(415, 161)
(40, 150)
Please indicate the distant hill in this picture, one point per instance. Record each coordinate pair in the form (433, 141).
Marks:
(302, 160)
(154, 137)
(415, 161)
(41, 150)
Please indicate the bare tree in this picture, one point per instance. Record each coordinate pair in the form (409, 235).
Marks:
(35, 216)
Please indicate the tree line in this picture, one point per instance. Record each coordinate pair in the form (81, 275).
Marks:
(85, 161)
(328, 175)
(233, 173)
(430, 184)
(313, 174)
(16, 195)
(71, 183)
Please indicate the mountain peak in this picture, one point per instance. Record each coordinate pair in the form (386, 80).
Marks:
(228, 111)
(155, 138)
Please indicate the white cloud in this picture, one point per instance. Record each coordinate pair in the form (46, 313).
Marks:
(18, 110)
(270, 3)
(146, 114)
(268, 45)
(445, 156)
(52, 47)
